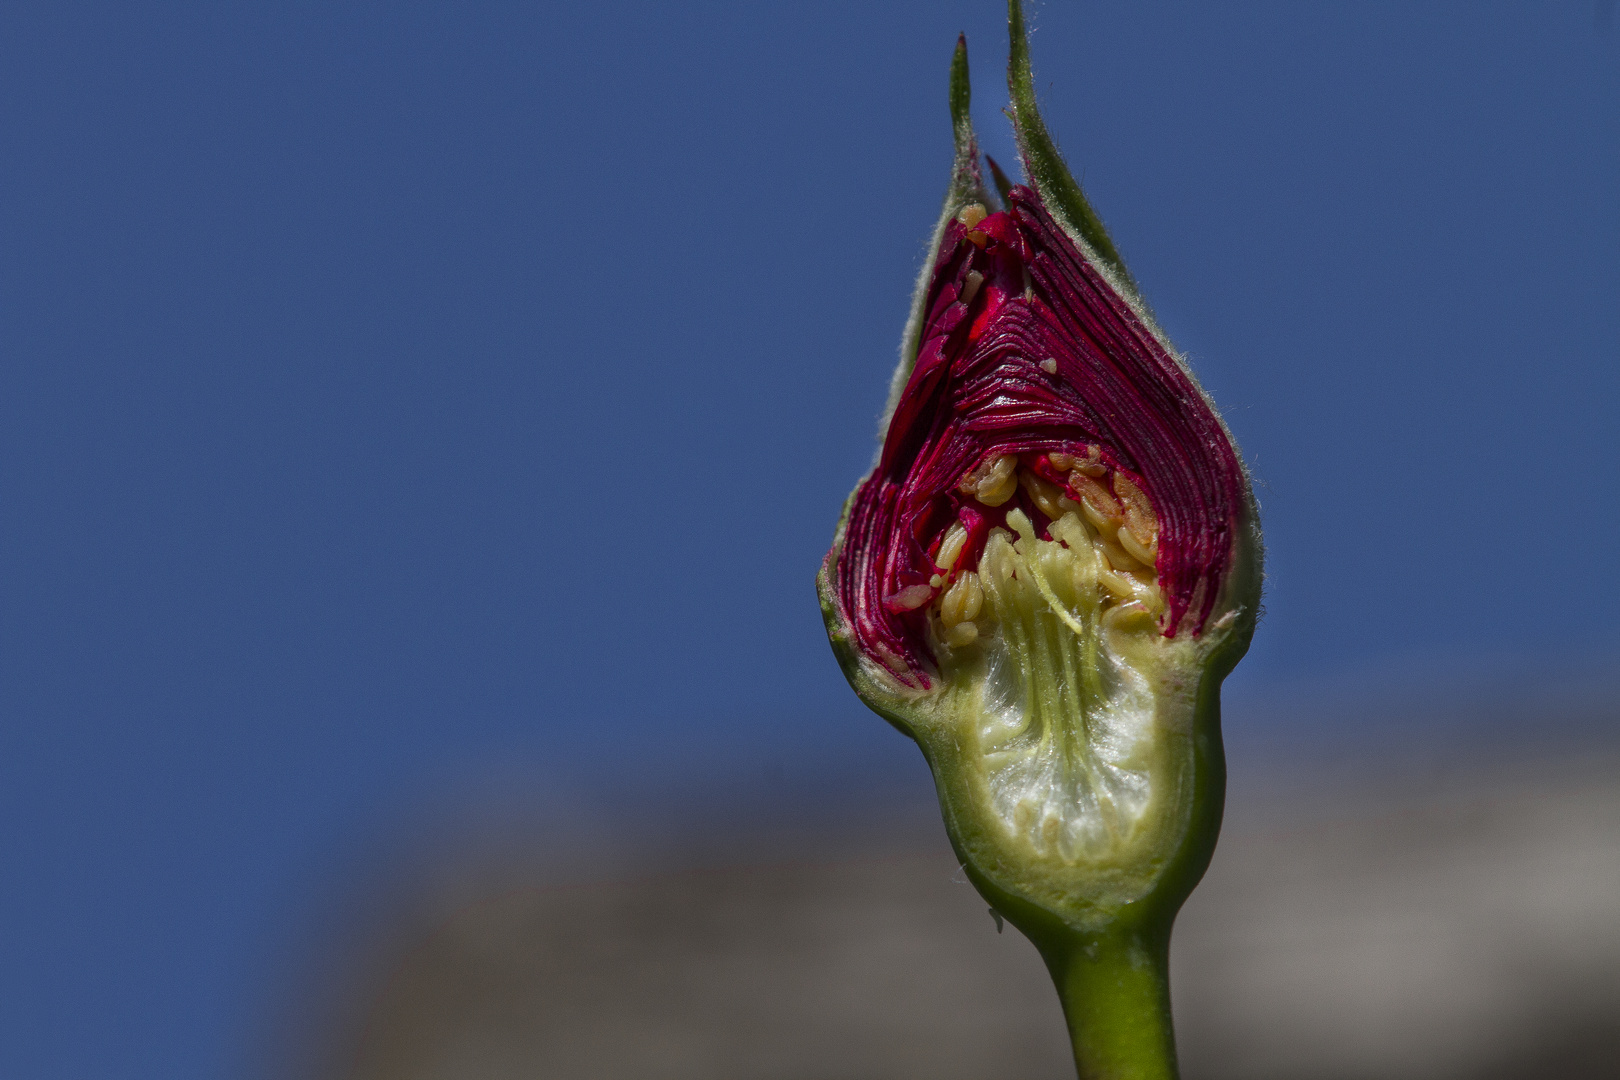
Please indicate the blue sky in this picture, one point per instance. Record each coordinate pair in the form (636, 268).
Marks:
(397, 396)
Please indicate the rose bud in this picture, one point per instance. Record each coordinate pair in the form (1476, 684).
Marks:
(1051, 567)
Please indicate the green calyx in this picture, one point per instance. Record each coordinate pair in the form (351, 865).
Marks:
(967, 186)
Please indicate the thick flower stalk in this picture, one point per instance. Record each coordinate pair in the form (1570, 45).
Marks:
(1052, 566)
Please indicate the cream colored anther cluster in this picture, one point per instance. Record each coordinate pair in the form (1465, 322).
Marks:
(1100, 504)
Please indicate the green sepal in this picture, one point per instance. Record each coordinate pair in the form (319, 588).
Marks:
(1047, 171)
(966, 186)
(871, 684)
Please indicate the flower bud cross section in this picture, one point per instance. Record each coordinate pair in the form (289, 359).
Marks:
(1051, 520)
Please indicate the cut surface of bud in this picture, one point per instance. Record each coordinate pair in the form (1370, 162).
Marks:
(1053, 562)
(1037, 565)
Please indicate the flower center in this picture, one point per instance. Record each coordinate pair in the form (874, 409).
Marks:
(1045, 615)
(1094, 513)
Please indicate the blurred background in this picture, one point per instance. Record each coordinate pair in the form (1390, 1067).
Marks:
(420, 425)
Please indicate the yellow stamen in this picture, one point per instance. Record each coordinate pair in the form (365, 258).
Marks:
(1143, 554)
(1118, 558)
(971, 215)
(910, 598)
(1118, 584)
(1026, 536)
(970, 286)
(1102, 509)
(992, 483)
(1042, 494)
(1139, 516)
(950, 549)
(1091, 464)
(973, 599)
(953, 605)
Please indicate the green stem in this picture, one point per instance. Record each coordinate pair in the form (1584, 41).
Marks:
(1115, 989)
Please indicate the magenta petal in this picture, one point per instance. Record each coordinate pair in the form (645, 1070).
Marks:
(980, 389)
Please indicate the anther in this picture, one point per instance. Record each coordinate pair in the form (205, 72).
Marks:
(1142, 553)
(995, 469)
(1000, 492)
(1119, 558)
(992, 482)
(1043, 494)
(970, 286)
(962, 600)
(973, 598)
(1091, 464)
(950, 549)
(971, 215)
(1116, 583)
(1101, 507)
(1140, 519)
(951, 605)
(909, 598)
(1105, 525)
(1049, 366)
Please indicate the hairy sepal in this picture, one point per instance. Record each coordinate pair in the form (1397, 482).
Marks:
(966, 187)
(873, 683)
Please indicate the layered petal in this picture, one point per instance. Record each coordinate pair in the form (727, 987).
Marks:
(1027, 350)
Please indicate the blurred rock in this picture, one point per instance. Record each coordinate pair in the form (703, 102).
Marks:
(1458, 926)
(1443, 924)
